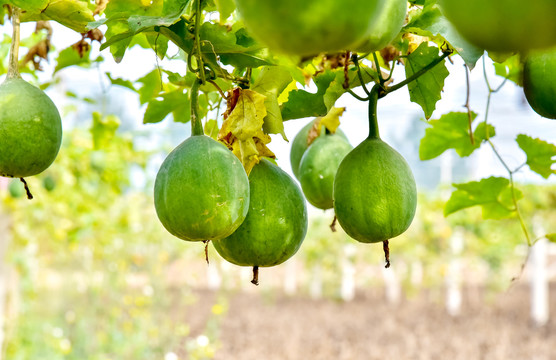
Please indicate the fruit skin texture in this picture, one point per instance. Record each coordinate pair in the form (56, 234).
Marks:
(539, 82)
(375, 195)
(385, 28)
(30, 129)
(504, 25)
(308, 27)
(201, 191)
(276, 223)
(318, 168)
(299, 146)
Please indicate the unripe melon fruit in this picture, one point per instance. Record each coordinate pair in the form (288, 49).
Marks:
(539, 82)
(375, 195)
(309, 27)
(30, 129)
(318, 168)
(276, 223)
(201, 190)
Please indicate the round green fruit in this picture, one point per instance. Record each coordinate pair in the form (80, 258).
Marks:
(318, 168)
(16, 189)
(30, 129)
(309, 27)
(539, 82)
(276, 223)
(504, 25)
(201, 191)
(386, 27)
(49, 183)
(299, 145)
(374, 192)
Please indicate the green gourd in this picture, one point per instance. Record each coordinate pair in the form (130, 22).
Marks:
(275, 225)
(375, 195)
(318, 168)
(300, 145)
(539, 82)
(201, 190)
(30, 129)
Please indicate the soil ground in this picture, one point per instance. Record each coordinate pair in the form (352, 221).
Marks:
(259, 325)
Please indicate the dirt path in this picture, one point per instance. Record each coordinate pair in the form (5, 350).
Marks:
(265, 326)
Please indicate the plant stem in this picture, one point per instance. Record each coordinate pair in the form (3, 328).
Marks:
(200, 63)
(373, 121)
(13, 66)
(196, 125)
(416, 75)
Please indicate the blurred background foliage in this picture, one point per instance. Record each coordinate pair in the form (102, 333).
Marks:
(97, 277)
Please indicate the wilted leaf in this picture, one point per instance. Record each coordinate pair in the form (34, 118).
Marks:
(271, 82)
(242, 130)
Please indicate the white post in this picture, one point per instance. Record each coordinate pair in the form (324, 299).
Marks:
(347, 290)
(4, 241)
(315, 283)
(416, 278)
(290, 277)
(214, 280)
(539, 278)
(453, 276)
(392, 285)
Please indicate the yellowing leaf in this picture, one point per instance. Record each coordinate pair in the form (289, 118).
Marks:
(332, 119)
(242, 130)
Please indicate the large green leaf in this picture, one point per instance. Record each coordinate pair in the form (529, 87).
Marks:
(127, 18)
(541, 155)
(430, 22)
(302, 103)
(494, 196)
(70, 57)
(176, 102)
(451, 131)
(330, 86)
(271, 82)
(426, 90)
(74, 14)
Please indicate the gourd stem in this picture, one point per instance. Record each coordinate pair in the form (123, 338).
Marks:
(13, 65)
(373, 122)
(196, 125)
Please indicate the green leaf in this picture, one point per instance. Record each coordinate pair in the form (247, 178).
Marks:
(218, 40)
(303, 104)
(510, 68)
(103, 129)
(493, 195)
(121, 82)
(426, 90)
(271, 82)
(175, 102)
(336, 87)
(225, 8)
(127, 18)
(74, 14)
(430, 22)
(541, 155)
(211, 128)
(27, 6)
(70, 57)
(451, 131)
(551, 237)
(152, 86)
